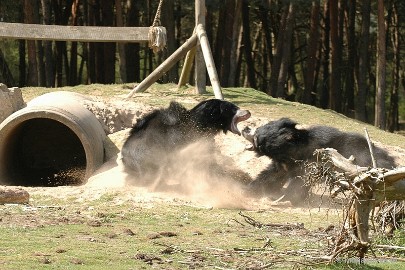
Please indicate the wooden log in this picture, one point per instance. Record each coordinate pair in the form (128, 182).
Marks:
(341, 162)
(209, 61)
(390, 184)
(13, 195)
(185, 72)
(73, 33)
(200, 69)
(165, 66)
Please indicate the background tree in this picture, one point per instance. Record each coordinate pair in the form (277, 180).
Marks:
(335, 96)
(360, 111)
(32, 80)
(381, 62)
(313, 41)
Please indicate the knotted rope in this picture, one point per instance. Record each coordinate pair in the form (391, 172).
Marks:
(157, 34)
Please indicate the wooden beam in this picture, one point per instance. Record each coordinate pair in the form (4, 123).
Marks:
(199, 67)
(185, 72)
(73, 33)
(209, 61)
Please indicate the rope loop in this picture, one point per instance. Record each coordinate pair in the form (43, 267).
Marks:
(157, 34)
(157, 38)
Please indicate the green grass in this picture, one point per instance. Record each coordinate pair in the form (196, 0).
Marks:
(260, 104)
(74, 233)
(95, 235)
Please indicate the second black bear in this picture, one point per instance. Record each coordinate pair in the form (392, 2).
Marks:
(285, 144)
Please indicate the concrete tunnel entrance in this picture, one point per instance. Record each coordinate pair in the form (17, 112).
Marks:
(53, 141)
(44, 152)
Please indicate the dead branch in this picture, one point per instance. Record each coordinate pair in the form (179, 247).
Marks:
(367, 187)
(370, 147)
(390, 247)
(258, 224)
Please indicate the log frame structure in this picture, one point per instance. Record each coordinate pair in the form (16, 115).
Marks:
(202, 49)
(198, 41)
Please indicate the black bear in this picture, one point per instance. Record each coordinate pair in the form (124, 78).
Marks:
(155, 139)
(286, 145)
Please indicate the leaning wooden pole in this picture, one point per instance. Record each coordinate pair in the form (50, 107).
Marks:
(209, 61)
(188, 64)
(165, 66)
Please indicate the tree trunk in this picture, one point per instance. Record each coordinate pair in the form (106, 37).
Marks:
(5, 72)
(238, 73)
(119, 20)
(62, 13)
(91, 53)
(133, 67)
(351, 58)
(379, 120)
(168, 21)
(73, 48)
(264, 11)
(247, 45)
(223, 44)
(21, 63)
(49, 63)
(360, 110)
(253, 52)
(324, 92)
(39, 48)
(392, 123)
(309, 78)
(335, 95)
(236, 42)
(220, 37)
(286, 52)
(31, 46)
(277, 56)
(108, 50)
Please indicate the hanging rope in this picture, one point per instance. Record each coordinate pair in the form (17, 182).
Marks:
(157, 33)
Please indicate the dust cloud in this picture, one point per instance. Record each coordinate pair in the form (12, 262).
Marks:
(199, 173)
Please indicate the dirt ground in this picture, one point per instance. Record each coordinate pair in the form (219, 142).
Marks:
(117, 116)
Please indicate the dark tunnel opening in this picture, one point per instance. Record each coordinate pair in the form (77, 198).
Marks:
(44, 152)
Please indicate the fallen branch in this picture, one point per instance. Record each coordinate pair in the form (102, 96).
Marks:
(390, 247)
(258, 224)
(368, 187)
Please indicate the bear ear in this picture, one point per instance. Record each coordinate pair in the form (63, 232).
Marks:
(226, 107)
(287, 122)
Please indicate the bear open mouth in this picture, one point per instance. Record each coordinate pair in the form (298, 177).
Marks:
(249, 135)
(241, 115)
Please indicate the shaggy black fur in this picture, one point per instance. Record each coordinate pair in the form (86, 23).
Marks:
(159, 135)
(285, 145)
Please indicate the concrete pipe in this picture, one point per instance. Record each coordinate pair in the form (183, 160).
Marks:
(53, 141)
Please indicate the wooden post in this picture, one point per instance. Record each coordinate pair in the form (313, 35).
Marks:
(209, 61)
(165, 66)
(185, 72)
(200, 71)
